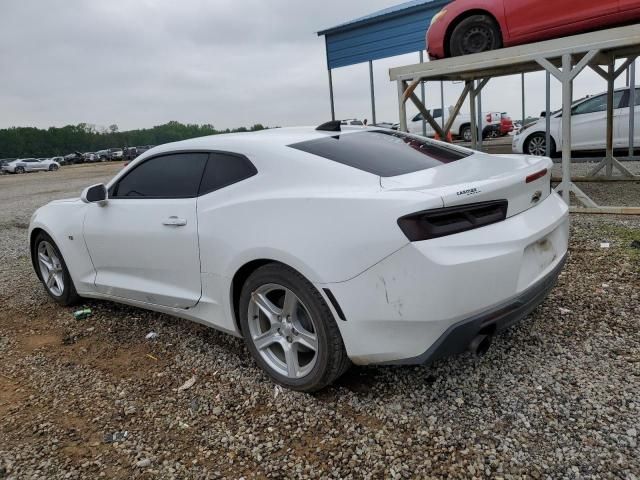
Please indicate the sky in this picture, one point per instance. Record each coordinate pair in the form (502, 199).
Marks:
(230, 63)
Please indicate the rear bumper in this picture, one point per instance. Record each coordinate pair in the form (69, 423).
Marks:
(398, 309)
(458, 337)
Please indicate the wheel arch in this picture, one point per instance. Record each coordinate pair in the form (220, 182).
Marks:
(525, 143)
(32, 245)
(244, 272)
(469, 13)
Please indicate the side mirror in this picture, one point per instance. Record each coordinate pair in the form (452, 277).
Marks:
(95, 194)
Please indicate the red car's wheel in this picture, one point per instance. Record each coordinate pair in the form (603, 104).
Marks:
(475, 34)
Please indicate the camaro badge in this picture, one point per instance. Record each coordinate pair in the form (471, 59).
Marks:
(468, 192)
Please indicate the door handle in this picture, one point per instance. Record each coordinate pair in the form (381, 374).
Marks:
(174, 221)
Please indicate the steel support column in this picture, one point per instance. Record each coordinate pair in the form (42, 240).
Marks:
(333, 110)
(480, 122)
(442, 103)
(566, 77)
(610, 75)
(548, 116)
(422, 98)
(373, 94)
(402, 106)
(632, 107)
(524, 115)
(476, 112)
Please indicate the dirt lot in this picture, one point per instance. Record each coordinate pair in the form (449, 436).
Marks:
(558, 396)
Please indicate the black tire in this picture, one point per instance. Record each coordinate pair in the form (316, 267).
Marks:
(53, 168)
(19, 170)
(475, 34)
(465, 133)
(535, 142)
(69, 295)
(332, 360)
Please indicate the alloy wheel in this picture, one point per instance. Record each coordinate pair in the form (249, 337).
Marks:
(283, 331)
(537, 146)
(50, 268)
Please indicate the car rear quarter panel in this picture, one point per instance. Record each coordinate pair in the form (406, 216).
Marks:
(326, 236)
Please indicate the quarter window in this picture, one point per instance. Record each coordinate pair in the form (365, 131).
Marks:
(169, 176)
(224, 169)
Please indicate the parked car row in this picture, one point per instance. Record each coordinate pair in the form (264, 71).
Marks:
(108, 154)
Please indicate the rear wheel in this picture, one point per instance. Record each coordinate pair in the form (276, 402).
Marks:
(475, 34)
(465, 133)
(52, 271)
(19, 169)
(289, 329)
(53, 168)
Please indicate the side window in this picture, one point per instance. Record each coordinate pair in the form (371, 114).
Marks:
(598, 104)
(175, 175)
(224, 169)
(417, 118)
(437, 113)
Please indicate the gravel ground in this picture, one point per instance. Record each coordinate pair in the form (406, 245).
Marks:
(557, 396)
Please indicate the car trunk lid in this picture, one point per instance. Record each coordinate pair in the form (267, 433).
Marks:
(524, 181)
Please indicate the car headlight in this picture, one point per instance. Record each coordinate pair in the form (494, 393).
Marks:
(438, 16)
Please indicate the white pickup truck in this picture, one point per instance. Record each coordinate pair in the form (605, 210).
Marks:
(461, 127)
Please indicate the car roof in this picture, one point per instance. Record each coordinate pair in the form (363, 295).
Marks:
(249, 142)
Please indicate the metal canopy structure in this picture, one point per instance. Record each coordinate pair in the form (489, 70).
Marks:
(562, 58)
(387, 33)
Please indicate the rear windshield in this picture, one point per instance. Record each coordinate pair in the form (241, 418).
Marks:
(383, 153)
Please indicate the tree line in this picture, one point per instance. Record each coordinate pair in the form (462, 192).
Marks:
(22, 142)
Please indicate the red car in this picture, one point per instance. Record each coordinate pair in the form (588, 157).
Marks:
(472, 26)
(506, 124)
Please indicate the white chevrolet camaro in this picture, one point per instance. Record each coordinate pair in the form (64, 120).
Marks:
(320, 247)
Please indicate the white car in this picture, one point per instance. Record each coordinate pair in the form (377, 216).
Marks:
(23, 165)
(461, 125)
(588, 126)
(320, 247)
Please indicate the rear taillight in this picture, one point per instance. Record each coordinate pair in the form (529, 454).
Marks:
(441, 222)
(536, 176)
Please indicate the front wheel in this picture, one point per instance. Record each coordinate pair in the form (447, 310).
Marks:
(536, 145)
(52, 271)
(53, 168)
(19, 169)
(475, 34)
(289, 329)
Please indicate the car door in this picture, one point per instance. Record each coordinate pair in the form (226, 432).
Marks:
(627, 6)
(144, 241)
(589, 122)
(532, 18)
(621, 139)
(31, 164)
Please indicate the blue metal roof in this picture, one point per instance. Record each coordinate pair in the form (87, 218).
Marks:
(387, 33)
